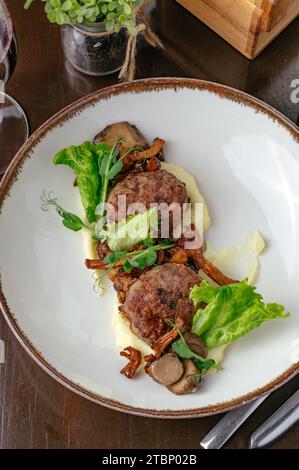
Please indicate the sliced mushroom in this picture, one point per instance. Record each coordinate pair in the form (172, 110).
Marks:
(131, 135)
(190, 382)
(167, 370)
(196, 344)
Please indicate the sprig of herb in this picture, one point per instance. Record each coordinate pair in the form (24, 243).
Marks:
(98, 286)
(206, 365)
(69, 220)
(110, 165)
(114, 258)
(106, 165)
(139, 259)
(182, 349)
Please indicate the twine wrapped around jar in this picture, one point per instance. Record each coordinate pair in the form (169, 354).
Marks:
(128, 70)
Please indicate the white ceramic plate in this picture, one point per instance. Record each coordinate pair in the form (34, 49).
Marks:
(245, 157)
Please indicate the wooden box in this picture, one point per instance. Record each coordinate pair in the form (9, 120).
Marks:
(248, 25)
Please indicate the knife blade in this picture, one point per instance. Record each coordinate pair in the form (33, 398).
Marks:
(280, 422)
(229, 424)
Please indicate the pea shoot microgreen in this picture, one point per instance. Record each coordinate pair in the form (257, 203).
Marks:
(69, 220)
(110, 165)
(139, 259)
(182, 349)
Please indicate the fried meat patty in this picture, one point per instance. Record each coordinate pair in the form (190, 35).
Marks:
(162, 292)
(148, 188)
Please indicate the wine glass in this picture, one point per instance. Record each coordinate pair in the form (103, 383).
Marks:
(14, 129)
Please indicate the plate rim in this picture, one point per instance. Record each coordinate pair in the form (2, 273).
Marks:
(15, 167)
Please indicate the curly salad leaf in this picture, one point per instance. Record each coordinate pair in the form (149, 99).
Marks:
(231, 312)
(83, 160)
(95, 166)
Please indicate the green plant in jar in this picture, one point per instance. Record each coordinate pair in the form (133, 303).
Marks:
(115, 14)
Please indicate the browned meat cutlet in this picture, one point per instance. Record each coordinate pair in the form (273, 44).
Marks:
(153, 164)
(148, 188)
(122, 281)
(163, 292)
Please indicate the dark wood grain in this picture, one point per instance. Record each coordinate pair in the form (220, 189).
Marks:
(35, 411)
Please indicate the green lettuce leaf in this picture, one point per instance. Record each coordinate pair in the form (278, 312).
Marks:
(83, 160)
(127, 233)
(230, 312)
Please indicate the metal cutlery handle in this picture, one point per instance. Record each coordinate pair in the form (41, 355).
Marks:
(280, 422)
(229, 424)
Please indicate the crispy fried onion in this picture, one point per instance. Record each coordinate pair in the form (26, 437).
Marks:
(100, 265)
(161, 344)
(134, 357)
(179, 256)
(153, 164)
(154, 150)
(197, 257)
(210, 270)
(133, 162)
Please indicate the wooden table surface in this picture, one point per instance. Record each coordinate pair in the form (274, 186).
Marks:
(35, 411)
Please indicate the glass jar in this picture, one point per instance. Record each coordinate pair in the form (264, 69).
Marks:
(92, 50)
